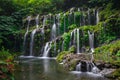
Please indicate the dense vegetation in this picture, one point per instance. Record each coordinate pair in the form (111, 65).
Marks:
(14, 12)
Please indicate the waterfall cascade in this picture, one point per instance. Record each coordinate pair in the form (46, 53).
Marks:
(97, 16)
(58, 23)
(25, 36)
(89, 17)
(78, 42)
(87, 67)
(53, 31)
(46, 49)
(75, 40)
(51, 42)
(44, 21)
(78, 67)
(85, 18)
(91, 41)
(33, 34)
(37, 21)
(63, 45)
(64, 23)
(32, 42)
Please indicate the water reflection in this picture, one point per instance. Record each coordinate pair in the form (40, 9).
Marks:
(48, 69)
(46, 66)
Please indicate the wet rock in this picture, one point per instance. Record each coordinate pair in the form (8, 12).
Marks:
(107, 72)
(95, 70)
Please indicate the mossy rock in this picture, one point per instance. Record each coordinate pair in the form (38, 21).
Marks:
(72, 49)
(61, 55)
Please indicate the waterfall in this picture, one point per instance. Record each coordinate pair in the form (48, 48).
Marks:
(32, 36)
(95, 69)
(53, 31)
(54, 35)
(86, 66)
(63, 45)
(97, 17)
(74, 18)
(37, 21)
(89, 17)
(29, 19)
(91, 41)
(74, 40)
(71, 38)
(58, 23)
(78, 42)
(78, 67)
(47, 49)
(78, 9)
(47, 46)
(94, 17)
(80, 17)
(32, 42)
(44, 21)
(64, 23)
(25, 36)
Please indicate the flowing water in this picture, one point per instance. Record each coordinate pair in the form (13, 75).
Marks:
(64, 23)
(89, 17)
(25, 36)
(91, 40)
(97, 17)
(32, 42)
(78, 42)
(37, 21)
(48, 69)
(47, 49)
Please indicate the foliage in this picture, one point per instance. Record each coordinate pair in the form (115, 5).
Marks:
(109, 52)
(6, 70)
(113, 25)
(105, 32)
(66, 38)
(7, 7)
(8, 31)
(98, 3)
(4, 54)
(61, 55)
(74, 3)
(73, 26)
(72, 49)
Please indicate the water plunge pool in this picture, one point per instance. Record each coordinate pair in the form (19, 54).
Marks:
(48, 69)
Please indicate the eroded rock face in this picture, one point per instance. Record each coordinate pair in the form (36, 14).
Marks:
(83, 63)
(71, 60)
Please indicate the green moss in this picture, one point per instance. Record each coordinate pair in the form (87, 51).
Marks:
(72, 49)
(66, 38)
(61, 55)
(72, 64)
(73, 26)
